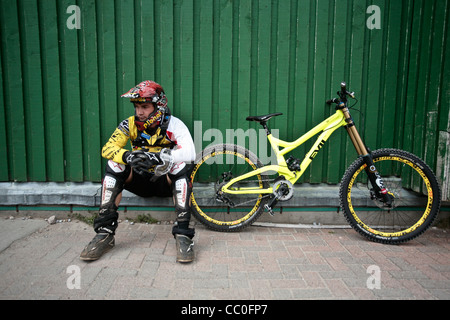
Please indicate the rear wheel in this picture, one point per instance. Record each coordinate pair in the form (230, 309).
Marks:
(410, 183)
(215, 167)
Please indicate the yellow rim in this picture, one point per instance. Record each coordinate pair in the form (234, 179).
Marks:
(203, 214)
(402, 232)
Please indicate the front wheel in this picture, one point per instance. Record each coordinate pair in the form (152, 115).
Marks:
(411, 185)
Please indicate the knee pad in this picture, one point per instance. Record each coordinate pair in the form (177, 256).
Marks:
(113, 183)
(118, 170)
(182, 189)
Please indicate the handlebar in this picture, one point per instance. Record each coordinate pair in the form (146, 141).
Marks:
(342, 95)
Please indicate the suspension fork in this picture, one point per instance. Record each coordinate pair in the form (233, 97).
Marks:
(375, 179)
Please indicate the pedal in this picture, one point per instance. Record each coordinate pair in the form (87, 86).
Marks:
(269, 206)
(269, 209)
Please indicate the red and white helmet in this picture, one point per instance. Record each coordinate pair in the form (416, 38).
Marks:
(149, 91)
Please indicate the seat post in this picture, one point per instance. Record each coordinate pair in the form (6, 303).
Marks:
(266, 128)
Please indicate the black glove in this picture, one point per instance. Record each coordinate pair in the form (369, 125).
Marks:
(141, 161)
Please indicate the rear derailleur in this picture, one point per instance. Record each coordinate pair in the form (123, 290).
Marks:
(220, 196)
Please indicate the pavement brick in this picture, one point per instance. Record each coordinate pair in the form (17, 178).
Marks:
(256, 263)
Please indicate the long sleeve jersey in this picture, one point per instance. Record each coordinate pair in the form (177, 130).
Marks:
(177, 137)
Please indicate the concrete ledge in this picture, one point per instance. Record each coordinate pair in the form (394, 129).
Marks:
(66, 194)
(88, 194)
(311, 204)
(45, 199)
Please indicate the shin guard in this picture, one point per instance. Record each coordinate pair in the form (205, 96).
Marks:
(112, 185)
(182, 189)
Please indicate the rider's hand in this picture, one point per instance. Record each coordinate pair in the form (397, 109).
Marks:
(166, 162)
(142, 160)
(131, 158)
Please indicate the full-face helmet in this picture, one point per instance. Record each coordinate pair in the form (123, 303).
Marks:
(149, 91)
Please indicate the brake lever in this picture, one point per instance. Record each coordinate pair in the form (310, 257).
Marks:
(335, 100)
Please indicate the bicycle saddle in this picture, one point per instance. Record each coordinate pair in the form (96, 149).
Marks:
(265, 118)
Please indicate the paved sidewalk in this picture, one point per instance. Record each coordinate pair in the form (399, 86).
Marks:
(258, 263)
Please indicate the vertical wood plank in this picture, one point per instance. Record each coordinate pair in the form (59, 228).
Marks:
(32, 90)
(70, 96)
(13, 91)
(4, 170)
(90, 112)
(321, 37)
(51, 91)
(125, 54)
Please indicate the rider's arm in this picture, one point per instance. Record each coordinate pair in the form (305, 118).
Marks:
(114, 148)
(178, 132)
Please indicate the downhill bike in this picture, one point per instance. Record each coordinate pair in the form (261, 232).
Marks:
(387, 195)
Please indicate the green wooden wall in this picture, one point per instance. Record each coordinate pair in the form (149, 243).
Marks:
(220, 61)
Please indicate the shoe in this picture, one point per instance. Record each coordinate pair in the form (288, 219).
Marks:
(185, 248)
(102, 243)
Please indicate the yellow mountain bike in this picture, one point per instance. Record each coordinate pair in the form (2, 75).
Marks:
(387, 195)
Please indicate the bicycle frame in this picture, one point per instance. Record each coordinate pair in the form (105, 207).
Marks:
(327, 127)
